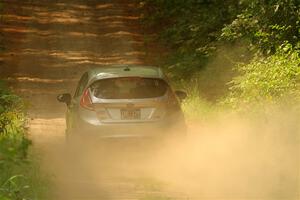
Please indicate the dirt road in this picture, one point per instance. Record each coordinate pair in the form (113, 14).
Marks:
(48, 45)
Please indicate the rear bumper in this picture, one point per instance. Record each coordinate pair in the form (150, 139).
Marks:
(129, 130)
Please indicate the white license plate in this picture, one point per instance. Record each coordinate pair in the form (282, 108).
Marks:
(130, 114)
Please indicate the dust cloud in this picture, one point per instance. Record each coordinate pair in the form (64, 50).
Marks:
(229, 157)
(232, 157)
(235, 158)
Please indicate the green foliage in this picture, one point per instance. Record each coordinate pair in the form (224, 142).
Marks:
(267, 80)
(13, 143)
(194, 29)
(266, 25)
(191, 28)
(198, 30)
(18, 177)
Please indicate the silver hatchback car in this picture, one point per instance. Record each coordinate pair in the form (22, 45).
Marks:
(124, 102)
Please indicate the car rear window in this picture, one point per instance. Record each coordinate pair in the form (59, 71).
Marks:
(129, 88)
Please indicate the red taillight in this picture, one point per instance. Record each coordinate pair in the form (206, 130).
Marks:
(86, 101)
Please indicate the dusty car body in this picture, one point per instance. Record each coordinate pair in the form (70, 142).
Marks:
(123, 102)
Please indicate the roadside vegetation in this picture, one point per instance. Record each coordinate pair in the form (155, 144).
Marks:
(235, 53)
(20, 178)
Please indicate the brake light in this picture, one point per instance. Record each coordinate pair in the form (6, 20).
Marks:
(85, 101)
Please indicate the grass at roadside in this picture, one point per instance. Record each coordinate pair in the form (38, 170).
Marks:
(271, 81)
(20, 176)
(195, 106)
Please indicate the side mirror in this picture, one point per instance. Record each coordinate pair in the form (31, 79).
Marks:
(64, 98)
(181, 94)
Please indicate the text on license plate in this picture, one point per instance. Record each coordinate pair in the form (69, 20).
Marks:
(130, 114)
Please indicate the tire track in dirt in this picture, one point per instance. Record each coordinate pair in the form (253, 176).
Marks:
(48, 45)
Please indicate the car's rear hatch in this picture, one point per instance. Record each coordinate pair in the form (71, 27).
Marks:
(130, 99)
